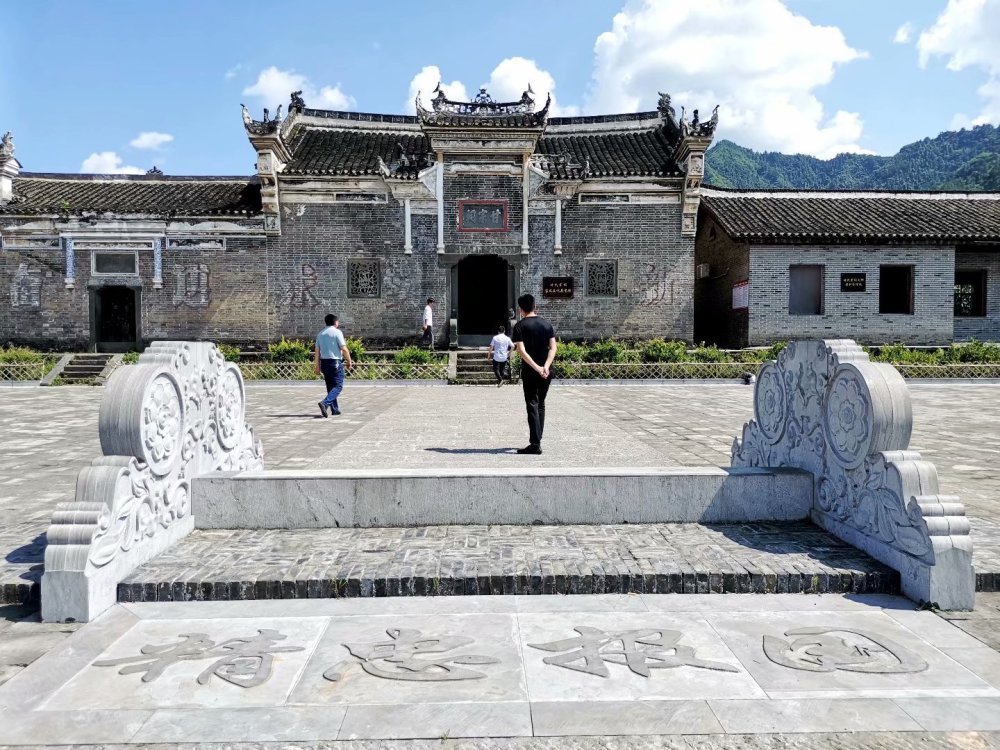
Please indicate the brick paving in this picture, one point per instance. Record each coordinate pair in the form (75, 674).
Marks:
(48, 434)
(455, 560)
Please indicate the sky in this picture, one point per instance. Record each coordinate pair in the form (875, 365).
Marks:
(120, 86)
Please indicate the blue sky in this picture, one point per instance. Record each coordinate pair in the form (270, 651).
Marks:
(80, 82)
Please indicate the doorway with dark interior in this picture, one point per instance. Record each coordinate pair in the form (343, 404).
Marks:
(482, 298)
(114, 318)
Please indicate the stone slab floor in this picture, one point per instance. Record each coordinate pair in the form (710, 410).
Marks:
(601, 672)
(507, 667)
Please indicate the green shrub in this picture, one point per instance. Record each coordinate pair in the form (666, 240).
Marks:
(977, 351)
(130, 358)
(608, 350)
(356, 348)
(290, 350)
(658, 350)
(230, 352)
(20, 354)
(709, 354)
(570, 352)
(775, 349)
(900, 355)
(412, 355)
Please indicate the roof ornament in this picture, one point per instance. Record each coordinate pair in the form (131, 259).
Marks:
(297, 103)
(267, 126)
(682, 124)
(664, 106)
(155, 171)
(708, 128)
(7, 144)
(439, 99)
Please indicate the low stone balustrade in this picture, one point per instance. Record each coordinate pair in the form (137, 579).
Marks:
(175, 415)
(824, 407)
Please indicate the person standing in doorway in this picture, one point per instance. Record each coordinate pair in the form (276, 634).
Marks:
(499, 353)
(329, 356)
(536, 343)
(428, 325)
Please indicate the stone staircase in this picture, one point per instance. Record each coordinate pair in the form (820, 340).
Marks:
(474, 368)
(85, 369)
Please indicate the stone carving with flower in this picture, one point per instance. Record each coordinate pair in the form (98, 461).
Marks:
(823, 406)
(176, 414)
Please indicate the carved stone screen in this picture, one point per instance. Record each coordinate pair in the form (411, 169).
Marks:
(364, 278)
(115, 263)
(602, 278)
(482, 216)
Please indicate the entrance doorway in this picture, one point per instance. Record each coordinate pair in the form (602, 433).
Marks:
(483, 289)
(114, 318)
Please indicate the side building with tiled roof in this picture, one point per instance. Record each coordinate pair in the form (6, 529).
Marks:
(909, 267)
(367, 215)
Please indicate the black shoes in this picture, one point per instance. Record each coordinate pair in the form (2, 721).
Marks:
(323, 409)
(531, 450)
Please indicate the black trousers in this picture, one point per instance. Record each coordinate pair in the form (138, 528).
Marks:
(501, 370)
(535, 389)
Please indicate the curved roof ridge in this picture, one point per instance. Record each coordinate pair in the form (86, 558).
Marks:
(98, 177)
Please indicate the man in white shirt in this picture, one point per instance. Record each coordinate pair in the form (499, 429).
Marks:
(499, 352)
(329, 356)
(428, 325)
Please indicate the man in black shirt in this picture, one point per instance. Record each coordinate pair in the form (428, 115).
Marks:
(536, 343)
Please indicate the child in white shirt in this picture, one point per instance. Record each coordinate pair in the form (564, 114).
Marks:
(500, 348)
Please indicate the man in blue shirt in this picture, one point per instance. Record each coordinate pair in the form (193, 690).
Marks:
(329, 356)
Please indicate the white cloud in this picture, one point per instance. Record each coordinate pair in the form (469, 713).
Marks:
(150, 139)
(966, 34)
(274, 86)
(507, 82)
(107, 162)
(758, 60)
(904, 34)
(234, 71)
(426, 81)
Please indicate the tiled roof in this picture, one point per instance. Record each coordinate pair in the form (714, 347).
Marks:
(356, 152)
(636, 153)
(36, 193)
(864, 217)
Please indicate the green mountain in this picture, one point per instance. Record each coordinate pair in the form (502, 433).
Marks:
(954, 160)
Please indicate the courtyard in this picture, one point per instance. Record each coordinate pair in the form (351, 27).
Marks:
(942, 673)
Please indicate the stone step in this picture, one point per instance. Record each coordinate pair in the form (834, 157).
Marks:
(759, 558)
(351, 498)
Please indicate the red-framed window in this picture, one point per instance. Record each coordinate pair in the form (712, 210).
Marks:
(482, 216)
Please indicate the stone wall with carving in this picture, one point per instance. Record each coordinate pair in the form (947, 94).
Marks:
(824, 407)
(176, 414)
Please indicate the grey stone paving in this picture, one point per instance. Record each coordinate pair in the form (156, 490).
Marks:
(831, 741)
(451, 560)
(48, 434)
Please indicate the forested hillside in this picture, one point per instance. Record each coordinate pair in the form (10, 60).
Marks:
(954, 160)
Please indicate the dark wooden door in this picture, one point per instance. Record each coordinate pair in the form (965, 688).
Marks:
(115, 319)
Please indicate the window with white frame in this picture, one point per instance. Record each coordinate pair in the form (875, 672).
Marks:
(115, 263)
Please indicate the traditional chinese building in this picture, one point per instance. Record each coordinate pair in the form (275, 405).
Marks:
(916, 268)
(473, 203)
(367, 215)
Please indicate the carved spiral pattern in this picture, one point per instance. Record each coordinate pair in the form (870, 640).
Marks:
(229, 408)
(769, 402)
(849, 418)
(162, 424)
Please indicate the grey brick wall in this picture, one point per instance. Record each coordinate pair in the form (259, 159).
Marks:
(852, 314)
(715, 320)
(987, 328)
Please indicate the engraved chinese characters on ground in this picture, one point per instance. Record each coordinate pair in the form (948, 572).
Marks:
(245, 662)
(830, 649)
(409, 655)
(640, 650)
